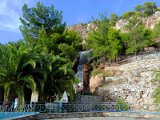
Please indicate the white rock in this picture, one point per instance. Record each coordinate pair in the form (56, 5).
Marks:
(144, 96)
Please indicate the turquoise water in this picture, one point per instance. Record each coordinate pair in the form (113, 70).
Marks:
(10, 115)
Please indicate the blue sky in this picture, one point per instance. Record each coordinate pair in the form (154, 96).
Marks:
(74, 11)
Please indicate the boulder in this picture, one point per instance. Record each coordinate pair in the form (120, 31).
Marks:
(95, 82)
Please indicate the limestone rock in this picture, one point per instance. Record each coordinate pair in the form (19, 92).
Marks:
(130, 81)
(91, 27)
(120, 24)
(151, 108)
(152, 20)
(80, 28)
(95, 82)
(149, 22)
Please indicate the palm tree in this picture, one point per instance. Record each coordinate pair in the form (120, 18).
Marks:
(13, 76)
(52, 73)
(61, 78)
(34, 68)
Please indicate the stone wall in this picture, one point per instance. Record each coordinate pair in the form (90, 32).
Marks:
(130, 82)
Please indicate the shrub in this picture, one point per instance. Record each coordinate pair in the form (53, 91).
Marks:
(121, 105)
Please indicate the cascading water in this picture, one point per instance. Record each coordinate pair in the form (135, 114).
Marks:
(83, 58)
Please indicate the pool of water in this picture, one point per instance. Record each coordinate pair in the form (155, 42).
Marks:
(11, 115)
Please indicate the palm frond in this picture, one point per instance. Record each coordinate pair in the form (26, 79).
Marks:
(7, 87)
(20, 93)
(29, 81)
(30, 62)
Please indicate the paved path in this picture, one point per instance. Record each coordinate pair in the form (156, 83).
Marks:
(105, 118)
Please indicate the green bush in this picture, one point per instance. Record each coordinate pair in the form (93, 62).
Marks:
(95, 72)
(121, 105)
(105, 74)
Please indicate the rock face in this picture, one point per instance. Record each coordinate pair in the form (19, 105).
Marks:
(95, 82)
(120, 24)
(80, 28)
(91, 27)
(130, 82)
(149, 22)
(83, 29)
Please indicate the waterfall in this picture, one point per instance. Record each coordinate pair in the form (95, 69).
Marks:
(84, 57)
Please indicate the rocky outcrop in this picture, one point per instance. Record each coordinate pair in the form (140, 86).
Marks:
(83, 29)
(95, 82)
(149, 22)
(80, 28)
(91, 27)
(130, 82)
(120, 24)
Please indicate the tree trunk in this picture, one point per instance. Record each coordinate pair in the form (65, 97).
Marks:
(5, 101)
(1, 95)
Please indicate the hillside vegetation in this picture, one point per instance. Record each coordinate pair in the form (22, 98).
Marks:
(42, 60)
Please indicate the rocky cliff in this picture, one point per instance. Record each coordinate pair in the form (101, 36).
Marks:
(130, 81)
(149, 22)
(80, 28)
(83, 29)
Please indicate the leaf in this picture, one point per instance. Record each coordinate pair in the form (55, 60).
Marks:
(29, 80)
(31, 62)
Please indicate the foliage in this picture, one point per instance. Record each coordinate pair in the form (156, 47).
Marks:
(71, 46)
(114, 44)
(133, 22)
(127, 15)
(105, 41)
(97, 39)
(12, 72)
(156, 92)
(122, 105)
(42, 61)
(149, 8)
(137, 39)
(139, 8)
(61, 78)
(105, 74)
(156, 31)
(66, 45)
(113, 19)
(95, 72)
(54, 48)
(36, 17)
